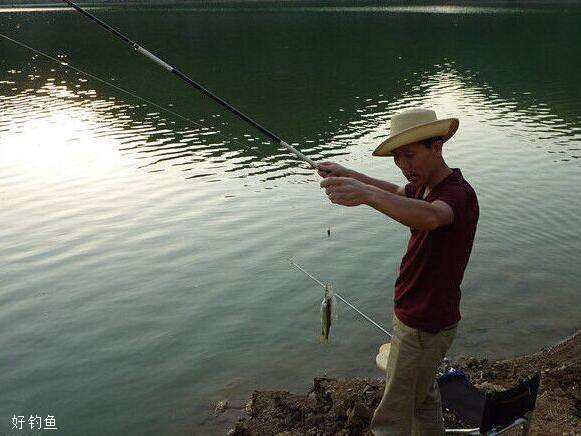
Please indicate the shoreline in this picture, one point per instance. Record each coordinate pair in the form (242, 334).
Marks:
(339, 3)
(345, 406)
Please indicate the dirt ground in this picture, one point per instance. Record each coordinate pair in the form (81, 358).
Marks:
(345, 407)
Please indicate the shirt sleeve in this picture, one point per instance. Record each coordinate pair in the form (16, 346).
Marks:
(455, 196)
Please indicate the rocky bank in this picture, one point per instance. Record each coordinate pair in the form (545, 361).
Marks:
(345, 406)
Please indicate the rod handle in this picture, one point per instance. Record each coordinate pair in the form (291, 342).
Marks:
(299, 154)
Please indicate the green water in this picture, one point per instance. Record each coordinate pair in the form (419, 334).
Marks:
(143, 259)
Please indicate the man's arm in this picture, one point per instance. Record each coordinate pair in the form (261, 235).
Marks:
(416, 214)
(381, 184)
(332, 169)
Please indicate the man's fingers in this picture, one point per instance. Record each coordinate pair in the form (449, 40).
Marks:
(333, 196)
(329, 167)
(332, 181)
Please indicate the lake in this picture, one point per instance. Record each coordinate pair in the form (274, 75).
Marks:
(145, 232)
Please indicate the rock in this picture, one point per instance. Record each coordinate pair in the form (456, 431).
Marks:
(311, 421)
(359, 416)
(221, 406)
(249, 408)
(240, 430)
(369, 391)
(339, 415)
(296, 416)
(471, 363)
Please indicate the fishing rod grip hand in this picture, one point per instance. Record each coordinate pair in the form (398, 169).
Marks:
(332, 169)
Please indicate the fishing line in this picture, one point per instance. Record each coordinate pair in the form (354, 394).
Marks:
(64, 64)
(193, 83)
(295, 265)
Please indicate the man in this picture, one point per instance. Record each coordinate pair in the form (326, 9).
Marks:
(441, 210)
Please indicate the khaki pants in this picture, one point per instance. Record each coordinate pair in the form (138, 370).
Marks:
(411, 401)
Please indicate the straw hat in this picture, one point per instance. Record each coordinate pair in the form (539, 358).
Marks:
(416, 125)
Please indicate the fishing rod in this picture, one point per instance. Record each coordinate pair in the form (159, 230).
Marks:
(193, 83)
(297, 266)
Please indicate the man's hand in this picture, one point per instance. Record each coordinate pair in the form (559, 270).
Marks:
(332, 169)
(346, 191)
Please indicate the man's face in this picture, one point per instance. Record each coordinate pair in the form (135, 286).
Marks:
(416, 161)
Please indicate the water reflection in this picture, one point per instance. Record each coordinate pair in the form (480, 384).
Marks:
(148, 137)
(324, 113)
(156, 140)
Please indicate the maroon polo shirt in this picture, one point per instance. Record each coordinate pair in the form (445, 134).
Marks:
(427, 291)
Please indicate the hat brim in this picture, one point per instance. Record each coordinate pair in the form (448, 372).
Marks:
(444, 128)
